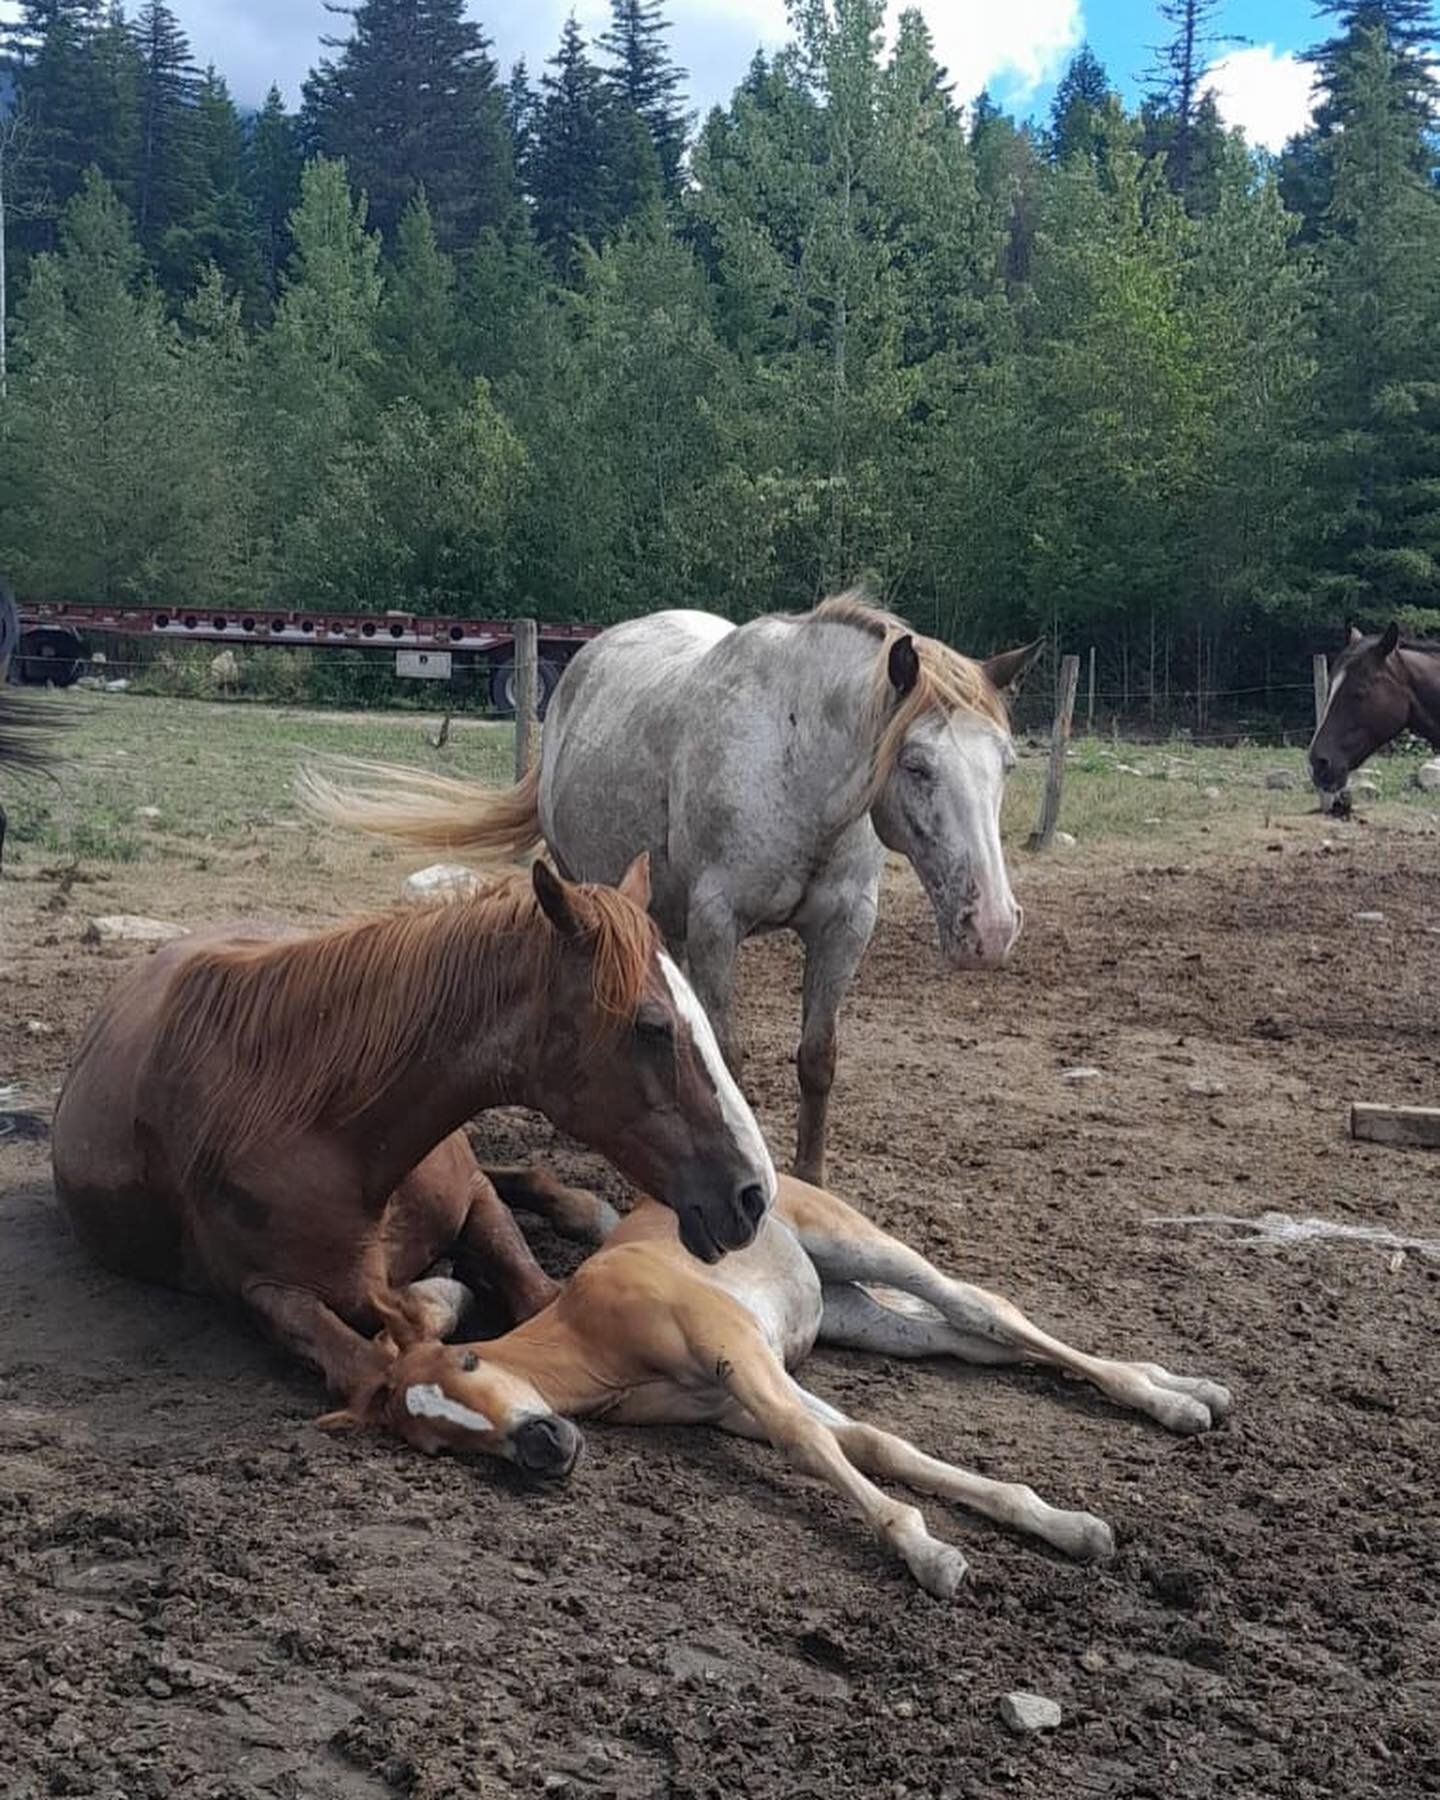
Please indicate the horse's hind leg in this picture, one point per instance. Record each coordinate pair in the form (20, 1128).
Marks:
(846, 1247)
(877, 1452)
(574, 1212)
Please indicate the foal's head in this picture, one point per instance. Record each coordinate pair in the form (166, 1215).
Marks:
(628, 1063)
(943, 758)
(457, 1397)
(1369, 704)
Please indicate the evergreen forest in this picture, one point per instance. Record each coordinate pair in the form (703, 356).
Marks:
(455, 338)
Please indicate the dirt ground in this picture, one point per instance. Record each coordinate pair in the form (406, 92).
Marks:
(200, 1595)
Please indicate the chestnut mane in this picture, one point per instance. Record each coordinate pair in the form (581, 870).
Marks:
(311, 1031)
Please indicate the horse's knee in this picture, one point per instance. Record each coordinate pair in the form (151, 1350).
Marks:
(816, 1064)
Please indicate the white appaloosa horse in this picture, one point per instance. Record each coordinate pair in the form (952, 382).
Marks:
(766, 768)
(643, 1334)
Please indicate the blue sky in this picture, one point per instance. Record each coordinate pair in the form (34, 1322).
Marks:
(1017, 47)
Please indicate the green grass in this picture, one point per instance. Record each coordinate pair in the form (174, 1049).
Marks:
(215, 772)
(222, 775)
(1179, 786)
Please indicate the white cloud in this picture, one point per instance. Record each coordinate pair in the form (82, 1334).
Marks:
(1265, 91)
(1018, 45)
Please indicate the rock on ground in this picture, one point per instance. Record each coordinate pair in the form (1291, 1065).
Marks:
(440, 881)
(1364, 789)
(131, 928)
(1427, 776)
(1282, 778)
(1029, 1712)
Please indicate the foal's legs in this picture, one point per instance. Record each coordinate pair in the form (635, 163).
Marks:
(846, 1248)
(877, 1452)
(833, 950)
(722, 1340)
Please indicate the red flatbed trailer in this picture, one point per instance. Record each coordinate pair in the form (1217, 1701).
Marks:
(53, 637)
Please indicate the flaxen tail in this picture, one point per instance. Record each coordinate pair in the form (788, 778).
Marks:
(433, 812)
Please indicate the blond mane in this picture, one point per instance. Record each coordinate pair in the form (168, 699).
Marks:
(948, 682)
(310, 1031)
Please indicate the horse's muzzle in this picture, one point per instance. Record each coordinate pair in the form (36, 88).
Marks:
(547, 1446)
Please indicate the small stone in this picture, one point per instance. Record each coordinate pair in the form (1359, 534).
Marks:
(1282, 778)
(1364, 789)
(160, 1689)
(1370, 918)
(1024, 1713)
(555, 1782)
(441, 881)
(1081, 1073)
(904, 1709)
(1427, 776)
(131, 928)
(1064, 840)
(117, 687)
(1205, 1084)
(148, 813)
(1396, 1262)
(1152, 821)
(1212, 793)
(1092, 1661)
(38, 1028)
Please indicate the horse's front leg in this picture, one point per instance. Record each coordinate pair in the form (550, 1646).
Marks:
(833, 950)
(712, 941)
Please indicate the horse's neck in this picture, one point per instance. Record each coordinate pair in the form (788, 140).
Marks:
(837, 718)
(1423, 667)
(572, 1375)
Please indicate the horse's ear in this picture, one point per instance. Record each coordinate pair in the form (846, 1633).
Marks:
(904, 664)
(1007, 670)
(401, 1330)
(1356, 635)
(1389, 638)
(554, 898)
(635, 882)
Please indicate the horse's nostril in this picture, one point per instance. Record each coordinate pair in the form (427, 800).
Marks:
(752, 1202)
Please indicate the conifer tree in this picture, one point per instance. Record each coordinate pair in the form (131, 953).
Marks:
(569, 177)
(411, 101)
(169, 180)
(644, 81)
(272, 184)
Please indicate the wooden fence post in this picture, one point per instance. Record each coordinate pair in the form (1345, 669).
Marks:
(1321, 670)
(527, 677)
(1040, 838)
(1090, 708)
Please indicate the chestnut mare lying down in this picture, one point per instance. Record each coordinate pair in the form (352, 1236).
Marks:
(276, 1118)
(643, 1334)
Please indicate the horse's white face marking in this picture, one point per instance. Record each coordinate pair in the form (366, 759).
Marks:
(941, 808)
(734, 1108)
(427, 1400)
(1335, 687)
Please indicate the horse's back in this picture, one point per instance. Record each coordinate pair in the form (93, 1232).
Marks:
(611, 735)
(108, 1133)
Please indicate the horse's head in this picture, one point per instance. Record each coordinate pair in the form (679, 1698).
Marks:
(628, 1062)
(462, 1397)
(939, 800)
(1369, 704)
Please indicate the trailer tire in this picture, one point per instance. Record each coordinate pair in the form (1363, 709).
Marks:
(50, 654)
(502, 686)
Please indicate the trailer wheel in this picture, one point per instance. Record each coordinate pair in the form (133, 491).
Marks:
(502, 686)
(50, 653)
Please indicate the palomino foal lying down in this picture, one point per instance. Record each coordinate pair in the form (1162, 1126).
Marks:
(644, 1334)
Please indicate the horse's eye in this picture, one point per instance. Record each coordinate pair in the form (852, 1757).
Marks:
(917, 768)
(654, 1026)
(469, 1362)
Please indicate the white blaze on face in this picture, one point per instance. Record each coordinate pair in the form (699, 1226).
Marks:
(734, 1108)
(1335, 687)
(426, 1400)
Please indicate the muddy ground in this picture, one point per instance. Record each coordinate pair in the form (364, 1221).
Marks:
(200, 1595)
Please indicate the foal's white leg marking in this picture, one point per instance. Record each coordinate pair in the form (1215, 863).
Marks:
(1180, 1403)
(734, 1107)
(877, 1452)
(426, 1400)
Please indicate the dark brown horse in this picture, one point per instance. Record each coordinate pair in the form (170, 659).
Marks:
(276, 1118)
(1379, 687)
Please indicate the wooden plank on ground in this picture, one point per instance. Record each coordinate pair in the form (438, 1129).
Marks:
(1403, 1127)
